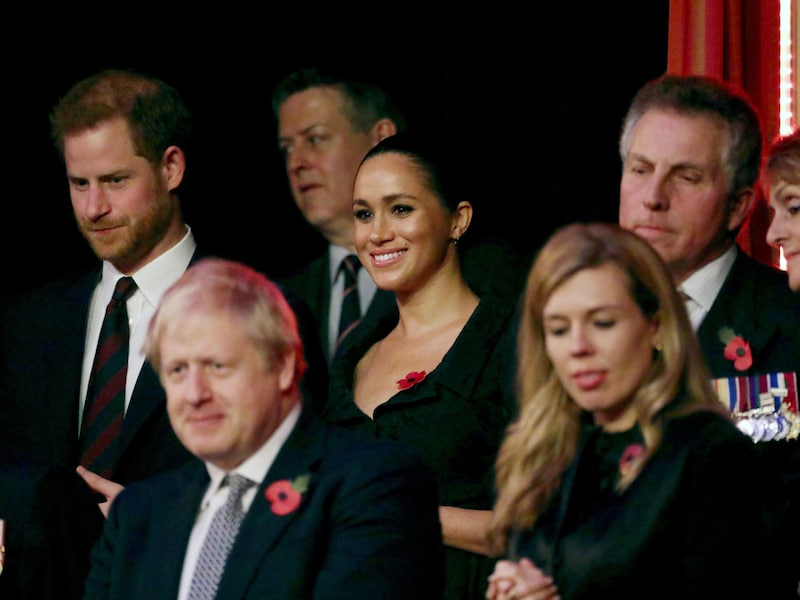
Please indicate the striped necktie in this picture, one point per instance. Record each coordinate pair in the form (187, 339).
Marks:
(351, 305)
(105, 397)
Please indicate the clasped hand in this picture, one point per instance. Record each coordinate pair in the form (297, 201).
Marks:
(517, 580)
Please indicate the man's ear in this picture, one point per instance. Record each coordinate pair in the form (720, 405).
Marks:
(173, 165)
(383, 128)
(287, 371)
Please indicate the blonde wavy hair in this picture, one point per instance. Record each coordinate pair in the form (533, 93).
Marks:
(543, 440)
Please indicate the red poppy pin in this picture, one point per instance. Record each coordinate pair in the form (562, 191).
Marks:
(284, 496)
(410, 380)
(631, 453)
(736, 349)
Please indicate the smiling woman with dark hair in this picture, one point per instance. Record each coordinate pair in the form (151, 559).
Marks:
(435, 375)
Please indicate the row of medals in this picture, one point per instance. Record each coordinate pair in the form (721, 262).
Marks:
(765, 424)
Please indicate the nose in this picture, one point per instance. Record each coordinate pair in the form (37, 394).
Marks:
(196, 389)
(380, 230)
(655, 194)
(296, 158)
(579, 343)
(97, 204)
(776, 232)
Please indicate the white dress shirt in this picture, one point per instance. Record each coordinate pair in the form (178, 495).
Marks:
(152, 281)
(704, 285)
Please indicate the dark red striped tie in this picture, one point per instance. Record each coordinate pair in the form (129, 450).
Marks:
(351, 306)
(105, 398)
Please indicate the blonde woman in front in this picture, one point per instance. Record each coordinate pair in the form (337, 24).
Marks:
(622, 476)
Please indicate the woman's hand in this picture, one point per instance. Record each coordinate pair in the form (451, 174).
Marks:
(520, 580)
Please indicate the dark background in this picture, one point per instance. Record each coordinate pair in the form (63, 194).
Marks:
(537, 103)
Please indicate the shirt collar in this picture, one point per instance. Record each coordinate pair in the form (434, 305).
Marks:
(256, 466)
(158, 275)
(703, 285)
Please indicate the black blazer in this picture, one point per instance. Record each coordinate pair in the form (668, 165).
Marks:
(367, 527)
(42, 339)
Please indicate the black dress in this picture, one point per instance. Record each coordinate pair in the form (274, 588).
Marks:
(690, 526)
(455, 417)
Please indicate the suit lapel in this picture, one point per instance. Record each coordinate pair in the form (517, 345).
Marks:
(171, 526)
(148, 396)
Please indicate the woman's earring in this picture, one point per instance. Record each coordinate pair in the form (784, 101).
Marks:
(454, 240)
(659, 346)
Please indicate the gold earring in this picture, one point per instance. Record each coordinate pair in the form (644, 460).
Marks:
(659, 346)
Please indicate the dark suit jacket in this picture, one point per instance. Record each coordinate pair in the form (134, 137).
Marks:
(367, 527)
(755, 302)
(42, 343)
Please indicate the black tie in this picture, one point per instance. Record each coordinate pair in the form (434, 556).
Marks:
(105, 397)
(351, 306)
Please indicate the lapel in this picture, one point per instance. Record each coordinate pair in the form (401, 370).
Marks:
(262, 529)
(310, 284)
(171, 526)
(148, 397)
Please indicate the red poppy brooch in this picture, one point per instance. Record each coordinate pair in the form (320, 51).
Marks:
(284, 496)
(737, 349)
(410, 380)
(631, 453)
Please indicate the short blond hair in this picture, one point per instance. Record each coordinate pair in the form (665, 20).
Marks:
(240, 291)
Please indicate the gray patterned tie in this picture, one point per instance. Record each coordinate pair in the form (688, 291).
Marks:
(219, 541)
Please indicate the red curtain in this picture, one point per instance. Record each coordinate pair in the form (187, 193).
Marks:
(738, 41)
